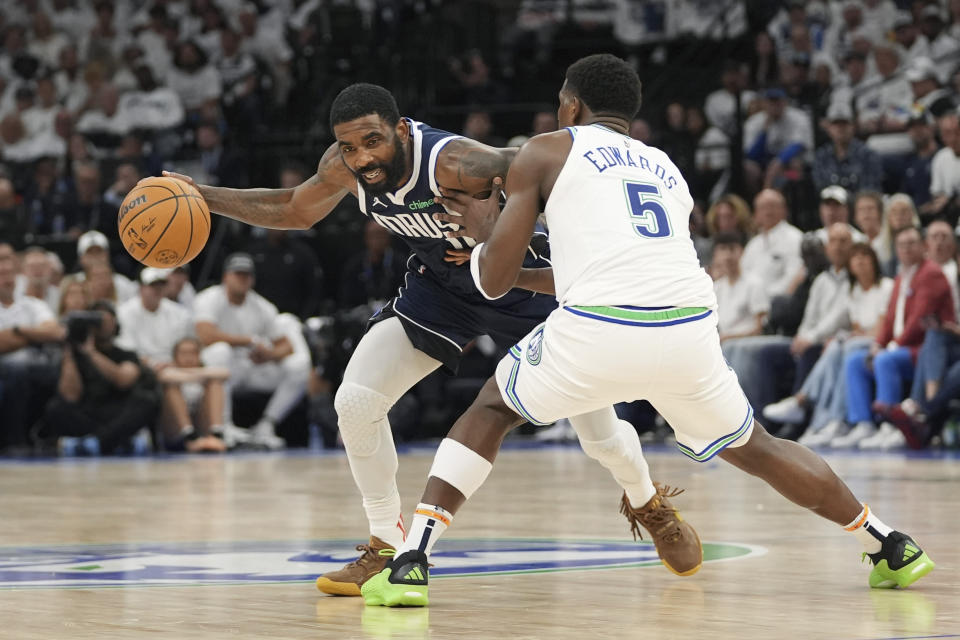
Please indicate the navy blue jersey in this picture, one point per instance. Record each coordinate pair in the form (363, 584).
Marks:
(408, 213)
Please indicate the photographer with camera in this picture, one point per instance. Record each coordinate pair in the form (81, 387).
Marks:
(27, 366)
(103, 390)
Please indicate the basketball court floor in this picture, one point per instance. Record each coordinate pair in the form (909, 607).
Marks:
(227, 547)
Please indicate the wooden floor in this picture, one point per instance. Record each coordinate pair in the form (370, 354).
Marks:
(226, 547)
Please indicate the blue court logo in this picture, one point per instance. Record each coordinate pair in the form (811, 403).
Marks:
(535, 347)
(223, 563)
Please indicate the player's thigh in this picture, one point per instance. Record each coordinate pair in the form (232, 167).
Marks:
(556, 371)
(698, 394)
(386, 361)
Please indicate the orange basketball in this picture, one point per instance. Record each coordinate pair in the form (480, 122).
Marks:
(163, 222)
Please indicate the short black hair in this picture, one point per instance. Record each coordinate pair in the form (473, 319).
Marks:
(729, 238)
(606, 84)
(363, 99)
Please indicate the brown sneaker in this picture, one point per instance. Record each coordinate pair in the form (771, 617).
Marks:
(347, 581)
(677, 543)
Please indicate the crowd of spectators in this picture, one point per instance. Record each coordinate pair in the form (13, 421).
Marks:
(820, 139)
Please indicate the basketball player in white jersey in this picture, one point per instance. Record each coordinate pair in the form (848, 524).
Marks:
(396, 166)
(637, 320)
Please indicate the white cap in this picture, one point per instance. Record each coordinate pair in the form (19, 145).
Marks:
(150, 275)
(834, 192)
(92, 239)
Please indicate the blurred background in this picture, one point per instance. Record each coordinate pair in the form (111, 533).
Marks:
(784, 116)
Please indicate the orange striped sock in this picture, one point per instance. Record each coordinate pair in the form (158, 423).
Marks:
(869, 530)
(429, 523)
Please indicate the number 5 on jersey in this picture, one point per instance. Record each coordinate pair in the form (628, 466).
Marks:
(647, 215)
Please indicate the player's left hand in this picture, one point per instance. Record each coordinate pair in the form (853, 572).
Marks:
(477, 217)
(457, 256)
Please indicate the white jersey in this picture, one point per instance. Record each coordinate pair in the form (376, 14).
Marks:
(618, 218)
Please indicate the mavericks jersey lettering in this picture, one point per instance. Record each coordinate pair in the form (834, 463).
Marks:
(618, 218)
(408, 213)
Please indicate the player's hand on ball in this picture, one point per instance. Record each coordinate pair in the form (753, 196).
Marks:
(477, 217)
(180, 176)
(457, 256)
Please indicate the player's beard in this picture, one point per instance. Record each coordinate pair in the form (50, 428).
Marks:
(393, 172)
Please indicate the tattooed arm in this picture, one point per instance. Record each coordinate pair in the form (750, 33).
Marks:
(467, 166)
(298, 208)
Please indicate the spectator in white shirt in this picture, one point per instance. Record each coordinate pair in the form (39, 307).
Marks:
(942, 45)
(835, 210)
(775, 138)
(106, 120)
(150, 325)
(193, 402)
(885, 108)
(774, 253)
(195, 81)
(741, 301)
(762, 359)
(93, 250)
(25, 325)
(45, 43)
(826, 310)
(945, 169)
(36, 279)
(907, 35)
(241, 330)
(150, 106)
(720, 106)
(824, 391)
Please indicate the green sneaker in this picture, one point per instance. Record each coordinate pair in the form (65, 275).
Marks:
(402, 583)
(899, 563)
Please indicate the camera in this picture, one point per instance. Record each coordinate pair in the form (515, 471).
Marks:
(79, 324)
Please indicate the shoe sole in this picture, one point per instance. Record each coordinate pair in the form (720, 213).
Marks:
(326, 585)
(903, 579)
(376, 594)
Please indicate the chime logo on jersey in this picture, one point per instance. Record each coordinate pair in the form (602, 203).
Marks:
(221, 563)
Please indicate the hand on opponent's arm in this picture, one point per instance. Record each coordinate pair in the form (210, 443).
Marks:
(504, 236)
(476, 217)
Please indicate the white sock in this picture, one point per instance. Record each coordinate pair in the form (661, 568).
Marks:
(869, 530)
(429, 523)
(386, 521)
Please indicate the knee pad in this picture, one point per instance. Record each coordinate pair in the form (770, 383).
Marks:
(218, 354)
(618, 446)
(362, 415)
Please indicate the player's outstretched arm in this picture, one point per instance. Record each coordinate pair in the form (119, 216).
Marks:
(298, 208)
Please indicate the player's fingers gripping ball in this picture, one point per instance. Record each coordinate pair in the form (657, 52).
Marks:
(163, 222)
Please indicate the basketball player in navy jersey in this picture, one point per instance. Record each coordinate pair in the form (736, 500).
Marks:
(396, 167)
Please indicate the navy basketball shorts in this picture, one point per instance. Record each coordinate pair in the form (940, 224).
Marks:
(441, 322)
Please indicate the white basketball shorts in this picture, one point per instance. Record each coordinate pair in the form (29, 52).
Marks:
(586, 358)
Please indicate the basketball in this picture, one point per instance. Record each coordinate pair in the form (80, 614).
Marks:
(163, 222)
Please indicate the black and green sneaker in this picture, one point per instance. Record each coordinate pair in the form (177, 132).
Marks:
(402, 583)
(899, 563)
